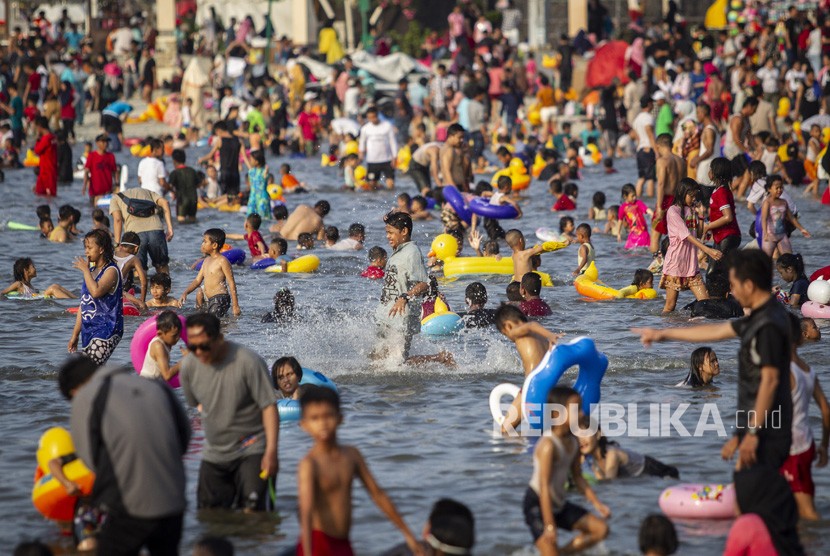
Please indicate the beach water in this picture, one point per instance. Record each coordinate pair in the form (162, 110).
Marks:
(426, 433)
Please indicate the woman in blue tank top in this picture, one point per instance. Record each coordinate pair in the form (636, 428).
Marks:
(100, 322)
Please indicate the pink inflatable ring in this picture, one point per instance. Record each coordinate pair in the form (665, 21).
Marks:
(141, 341)
(696, 501)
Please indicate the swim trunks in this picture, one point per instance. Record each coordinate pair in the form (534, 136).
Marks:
(219, 304)
(566, 518)
(326, 545)
(797, 469)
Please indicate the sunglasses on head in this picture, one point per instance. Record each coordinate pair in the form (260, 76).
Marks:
(199, 347)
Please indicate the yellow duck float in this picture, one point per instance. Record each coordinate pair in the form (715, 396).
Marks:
(588, 285)
(445, 247)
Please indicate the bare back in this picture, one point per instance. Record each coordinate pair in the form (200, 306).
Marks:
(304, 219)
(213, 273)
(521, 264)
(670, 170)
(532, 349)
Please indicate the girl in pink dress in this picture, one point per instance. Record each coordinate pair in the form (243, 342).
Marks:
(632, 214)
(680, 269)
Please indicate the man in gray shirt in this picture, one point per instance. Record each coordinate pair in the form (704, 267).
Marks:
(239, 416)
(476, 117)
(132, 432)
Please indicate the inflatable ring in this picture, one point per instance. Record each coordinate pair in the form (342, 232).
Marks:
(304, 264)
(141, 343)
(456, 200)
(32, 160)
(589, 286)
(697, 501)
(289, 409)
(234, 256)
(496, 395)
(48, 495)
(592, 366)
(262, 264)
(482, 207)
(819, 288)
(815, 310)
(130, 310)
(274, 191)
(441, 324)
(548, 234)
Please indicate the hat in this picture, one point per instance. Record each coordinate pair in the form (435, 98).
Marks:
(658, 95)
(103, 137)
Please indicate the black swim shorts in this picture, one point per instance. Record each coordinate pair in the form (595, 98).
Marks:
(566, 518)
(646, 164)
(219, 304)
(380, 171)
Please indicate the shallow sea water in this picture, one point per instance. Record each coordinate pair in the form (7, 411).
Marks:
(426, 433)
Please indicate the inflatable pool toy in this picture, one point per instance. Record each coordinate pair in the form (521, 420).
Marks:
(262, 264)
(815, 310)
(20, 297)
(32, 160)
(289, 409)
(232, 208)
(130, 310)
(590, 155)
(403, 159)
(534, 116)
(453, 196)
(496, 396)
(548, 234)
(18, 227)
(517, 172)
(538, 165)
(784, 107)
(360, 174)
(820, 273)
(441, 322)
(328, 160)
(141, 151)
(234, 256)
(104, 201)
(580, 351)
(819, 290)
(444, 248)
(304, 264)
(48, 496)
(482, 207)
(144, 334)
(588, 285)
(697, 501)
(274, 191)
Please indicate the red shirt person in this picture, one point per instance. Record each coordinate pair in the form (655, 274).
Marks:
(46, 148)
(99, 169)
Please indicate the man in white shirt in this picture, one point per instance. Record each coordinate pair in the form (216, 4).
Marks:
(646, 161)
(151, 172)
(769, 75)
(378, 148)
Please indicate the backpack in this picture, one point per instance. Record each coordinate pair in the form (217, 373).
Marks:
(140, 208)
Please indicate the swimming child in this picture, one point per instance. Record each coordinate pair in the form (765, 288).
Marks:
(324, 479)
(100, 221)
(280, 214)
(703, 367)
(128, 263)
(791, 268)
(419, 210)
(46, 226)
(184, 181)
(157, 359)
(657, 536)
(774, 213)
(332, 236)
(160, 286)
(566, 229)
(521, 256)
(585, 255)
(283, 307)
(555, 457)
(290, 184)
(62, 233)
(608, 460)
(632, 214)
(216, 277)
(24, 272)
(533, 342)
(349, 163)
(809, 330)
(532, 305)
(598, 212)
(286, 374)
(277, 250)
(305, 242)
(514, 294)
(477, 315)
(643, 280)
(256, 245)
(403, 203)
(211, 185)
(357, 235)
(563, 202)
(377, 262)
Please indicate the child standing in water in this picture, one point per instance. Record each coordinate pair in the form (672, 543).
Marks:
(555, 458)
(632, 214)
(157, 359)
(774, 213)
(24, 272)
(585, 255)
(324, 480)
(534, 344)
(160, 286)
(216, 277)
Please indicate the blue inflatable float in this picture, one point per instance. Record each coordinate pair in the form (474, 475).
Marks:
(289, 409)
(592, 366)
(234, 256)
(262, 264)
(482, 207)
(456, 200)
(441, 324)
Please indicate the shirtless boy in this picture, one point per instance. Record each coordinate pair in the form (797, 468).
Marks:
(521, 256)
(533, 342)
(217, 276)
(305, 219)
(324, 481)
(670, 169)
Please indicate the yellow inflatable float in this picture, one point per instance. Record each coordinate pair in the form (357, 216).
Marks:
(32, 160)
(517, 172)
(141, 150)
(48, 496)
(588, 285)
(304, 264)
(716, 15)
(403, 159)
(538, 165)
(444, 248)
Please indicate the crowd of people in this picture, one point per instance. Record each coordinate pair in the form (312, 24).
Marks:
(725, 126)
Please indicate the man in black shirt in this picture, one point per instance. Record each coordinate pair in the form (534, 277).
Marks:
(764, 416)
(228, 146)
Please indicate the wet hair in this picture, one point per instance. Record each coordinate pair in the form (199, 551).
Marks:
(32, 548)
(627, 190)
(332, 233)
(722, 172)
(101, 217)
(75, 371)
(753, 265)
(216, 235)
(179, 156)
(280, 212)
(104, 240)
(698, 358)
(615, 210)
(794, 261)
(757, 170)
(283, 304)
(405, 198)
(452, 524)
(584, 228)
(282, 361)
(20, 267)
(305, 239)
(664, 140)
(532, 283)
(213, 546)
(66, 212)
(504, 182)
(556, 187)
(254, 220)
(43, 211)
(717, 284)
(207, 322)
(771, 180)
(168, 320)
(282, 245)
(377, 253)
(685, 187)
(161, 279)
(560, 395)
(399, 220)
(357, 229)
(258, 157)
(571, 189)
(476, 293)
(509, 313)
(642, 276)
(319, 394)
(324, 207)
(564, 221)
(420, 200)
(657, 534)
(513, 237)
(490, 248)
(598, 199)
(804, 323)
